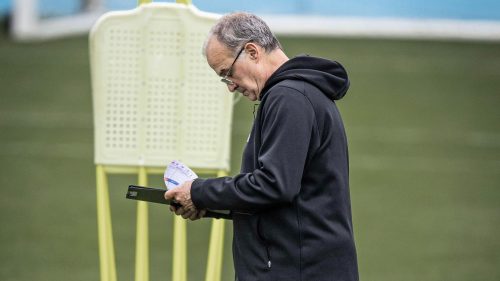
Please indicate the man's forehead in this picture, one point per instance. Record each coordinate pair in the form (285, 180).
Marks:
(217, 55)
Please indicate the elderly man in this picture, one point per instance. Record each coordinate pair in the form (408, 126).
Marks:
(290, 204)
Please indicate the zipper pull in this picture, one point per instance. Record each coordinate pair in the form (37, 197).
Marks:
(269, 264)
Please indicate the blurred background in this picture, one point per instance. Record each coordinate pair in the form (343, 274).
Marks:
(422, 117)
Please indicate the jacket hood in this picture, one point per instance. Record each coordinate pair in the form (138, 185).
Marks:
(328, 76)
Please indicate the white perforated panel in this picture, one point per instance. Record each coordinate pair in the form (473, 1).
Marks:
(155, 98)
(203, 130)
(122, 85)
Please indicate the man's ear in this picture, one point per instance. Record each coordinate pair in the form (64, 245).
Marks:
(253, 51)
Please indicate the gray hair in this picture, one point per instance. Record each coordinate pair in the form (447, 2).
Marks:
(236, 29)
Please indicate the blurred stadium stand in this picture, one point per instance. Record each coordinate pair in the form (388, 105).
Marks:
(444, 19)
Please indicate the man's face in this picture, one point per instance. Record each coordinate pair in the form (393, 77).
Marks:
(242, 74)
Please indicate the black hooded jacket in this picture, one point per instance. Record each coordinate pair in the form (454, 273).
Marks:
(290, 204)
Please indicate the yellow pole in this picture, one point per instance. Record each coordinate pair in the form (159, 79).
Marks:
(140, 2)
(142, 234)
(105, 232)
(216, 247)
(179, 256)
(215, 251)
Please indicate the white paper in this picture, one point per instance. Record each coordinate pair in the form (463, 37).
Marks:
(177, 173)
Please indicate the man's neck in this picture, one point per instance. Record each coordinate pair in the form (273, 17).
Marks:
(275, 59)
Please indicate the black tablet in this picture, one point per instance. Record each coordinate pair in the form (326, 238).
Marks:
(156, 195)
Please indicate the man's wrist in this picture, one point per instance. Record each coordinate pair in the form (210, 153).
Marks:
(196, 193)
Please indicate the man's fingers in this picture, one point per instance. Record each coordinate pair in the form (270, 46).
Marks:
(194, 216)
(180, 211)
(182, 195)
(189, 213)
(198, 215)
(185, 213)
(169, 194)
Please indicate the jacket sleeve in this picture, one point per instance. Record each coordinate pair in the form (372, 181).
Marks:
(288, 126)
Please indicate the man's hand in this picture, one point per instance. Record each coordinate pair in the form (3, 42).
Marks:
(182, 195)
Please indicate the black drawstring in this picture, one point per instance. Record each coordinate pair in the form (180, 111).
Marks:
(255, 105)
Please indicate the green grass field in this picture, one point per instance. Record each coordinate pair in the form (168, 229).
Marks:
(422, 117)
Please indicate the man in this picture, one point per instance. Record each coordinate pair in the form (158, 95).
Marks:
(290, 204)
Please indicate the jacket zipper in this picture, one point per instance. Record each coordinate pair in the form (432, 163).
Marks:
(268, 256)
(268, 252)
